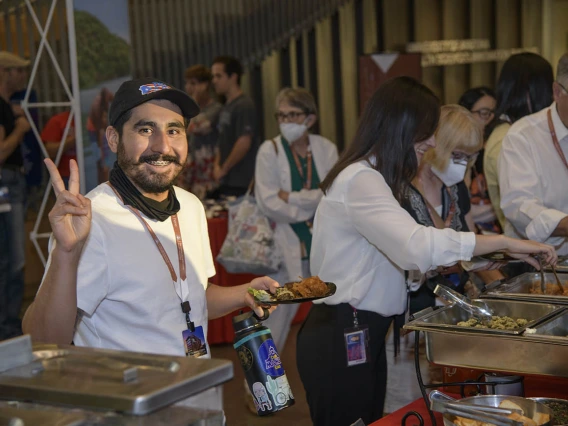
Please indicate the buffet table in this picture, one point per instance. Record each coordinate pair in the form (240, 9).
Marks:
(535, 386)
(221, 329)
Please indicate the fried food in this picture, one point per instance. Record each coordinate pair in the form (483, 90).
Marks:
(550, 289)
(308, 287)
(496, 323)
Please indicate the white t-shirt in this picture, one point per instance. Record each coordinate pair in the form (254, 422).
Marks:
(364, 240)
(125, 294)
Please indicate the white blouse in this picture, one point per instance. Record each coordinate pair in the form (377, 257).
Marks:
(364, 240)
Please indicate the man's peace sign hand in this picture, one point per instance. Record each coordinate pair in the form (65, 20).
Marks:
(70, 217)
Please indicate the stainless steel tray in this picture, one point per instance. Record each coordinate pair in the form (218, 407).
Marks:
(523, 354)
(518, 288)
(104, 379)
(553, 329)
(45, 415)
(561, 266)
(447, 318)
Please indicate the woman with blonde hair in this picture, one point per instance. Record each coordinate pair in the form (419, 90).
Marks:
(438, 195)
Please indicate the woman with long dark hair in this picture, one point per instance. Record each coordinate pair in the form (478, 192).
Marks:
(363, 241)
(524, 87)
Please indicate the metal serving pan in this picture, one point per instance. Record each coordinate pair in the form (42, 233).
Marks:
(561, 265)
(553, 329)
(129, 382)
(448, 317)
(518, 288)
(30, 414)
(508, 353)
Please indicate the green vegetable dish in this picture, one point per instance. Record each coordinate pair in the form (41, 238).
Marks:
(496, 323)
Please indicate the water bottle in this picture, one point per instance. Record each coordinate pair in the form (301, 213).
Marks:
(261, 363)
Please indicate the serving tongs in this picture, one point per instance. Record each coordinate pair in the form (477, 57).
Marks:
(543, 280)
(444, 404)
(482, 312)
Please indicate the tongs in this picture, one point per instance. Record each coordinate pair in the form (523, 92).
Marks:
(482, 413)
(543, 280)
(483, 313)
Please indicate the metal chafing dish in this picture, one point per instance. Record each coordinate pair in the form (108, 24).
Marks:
(561, 265)
(494, 350)
(554, 329)
(518, 288)
(103, 386)
(447, 317)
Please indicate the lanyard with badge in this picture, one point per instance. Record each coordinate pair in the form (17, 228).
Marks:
(356, 342)
(555, 138)
(193, 337)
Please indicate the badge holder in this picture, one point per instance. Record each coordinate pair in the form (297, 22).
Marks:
(193, 338)
(356, 343)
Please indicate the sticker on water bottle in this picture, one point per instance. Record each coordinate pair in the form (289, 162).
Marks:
(269, 359)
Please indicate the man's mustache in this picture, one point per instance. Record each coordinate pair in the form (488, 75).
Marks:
(159, 157)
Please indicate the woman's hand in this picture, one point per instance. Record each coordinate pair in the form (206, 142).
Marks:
(262, 283)
(523, 249)
(283, 195)
(70, 217)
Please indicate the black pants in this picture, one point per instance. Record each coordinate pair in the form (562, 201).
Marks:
(337, 394)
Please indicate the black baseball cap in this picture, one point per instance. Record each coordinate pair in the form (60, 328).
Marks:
(132, 93)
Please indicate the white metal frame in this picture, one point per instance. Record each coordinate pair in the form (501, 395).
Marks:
(74, 103)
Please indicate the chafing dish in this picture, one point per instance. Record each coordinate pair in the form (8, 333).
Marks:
(492, 350)
(518, 288)
(106, 380)
(553, 329)
(448, 317)
(561, 265)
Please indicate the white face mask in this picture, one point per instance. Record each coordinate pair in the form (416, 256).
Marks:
(454, 173)
(293, 131)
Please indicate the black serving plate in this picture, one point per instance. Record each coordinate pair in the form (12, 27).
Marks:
(331, 291)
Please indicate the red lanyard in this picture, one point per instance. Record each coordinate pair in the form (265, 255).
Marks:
(308, 182)
(555, 139)
(179, 242)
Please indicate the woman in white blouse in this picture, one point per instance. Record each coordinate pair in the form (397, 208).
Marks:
(363, 241)
(289, 169)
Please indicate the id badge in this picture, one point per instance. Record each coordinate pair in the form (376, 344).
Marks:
(194, 342)
(357, 345)
(5, 205)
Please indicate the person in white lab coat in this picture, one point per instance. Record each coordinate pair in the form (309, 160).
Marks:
(289, 169)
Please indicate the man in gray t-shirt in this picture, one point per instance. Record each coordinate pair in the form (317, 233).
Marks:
(238, 129)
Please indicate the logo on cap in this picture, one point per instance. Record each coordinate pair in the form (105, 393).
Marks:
(153, 87)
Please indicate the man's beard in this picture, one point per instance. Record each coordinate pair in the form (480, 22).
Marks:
(148, 181)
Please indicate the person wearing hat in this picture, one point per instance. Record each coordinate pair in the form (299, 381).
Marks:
(13, 127)
(129, 264)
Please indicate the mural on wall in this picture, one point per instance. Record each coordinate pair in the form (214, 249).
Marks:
(104, 62)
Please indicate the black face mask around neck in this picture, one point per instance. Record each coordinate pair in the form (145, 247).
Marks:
(159, 210)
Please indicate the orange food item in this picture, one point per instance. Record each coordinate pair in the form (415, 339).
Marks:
(309, 287)
(550, 289)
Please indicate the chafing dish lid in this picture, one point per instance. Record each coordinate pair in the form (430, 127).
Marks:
(94, 378)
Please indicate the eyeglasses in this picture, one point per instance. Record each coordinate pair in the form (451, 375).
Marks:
(484, 113)
(462, 157)
(561, 85)
(292, 115)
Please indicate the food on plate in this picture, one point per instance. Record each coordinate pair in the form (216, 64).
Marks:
(550, 289)
(536, 420)
(559, 409)
(308, 287)
(496, 323)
